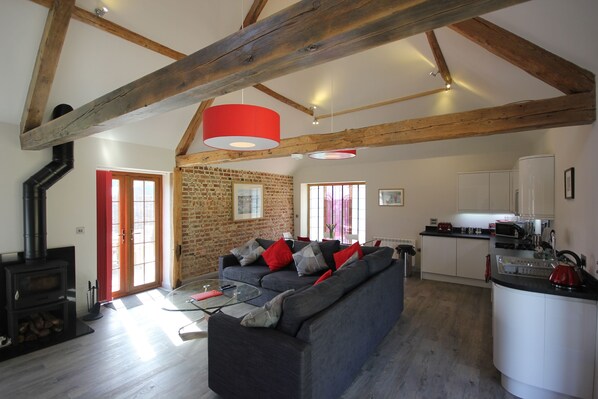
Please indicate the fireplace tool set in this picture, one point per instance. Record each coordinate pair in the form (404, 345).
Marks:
(93, 305)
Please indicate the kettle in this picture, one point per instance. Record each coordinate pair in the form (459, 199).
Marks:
(566, 274)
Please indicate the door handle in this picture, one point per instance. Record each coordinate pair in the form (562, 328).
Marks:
(123, 234)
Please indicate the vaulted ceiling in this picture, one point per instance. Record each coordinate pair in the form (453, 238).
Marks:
(94, 62)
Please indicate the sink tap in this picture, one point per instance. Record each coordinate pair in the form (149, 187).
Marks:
(553, 243)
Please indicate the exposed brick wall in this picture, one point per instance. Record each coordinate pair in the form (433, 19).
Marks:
(206, 214)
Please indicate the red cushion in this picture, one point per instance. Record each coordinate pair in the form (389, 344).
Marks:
(324, 277)
(341, 257)
(278, 255)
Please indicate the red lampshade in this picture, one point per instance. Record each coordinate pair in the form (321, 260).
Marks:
(241, 127)
(338, 154)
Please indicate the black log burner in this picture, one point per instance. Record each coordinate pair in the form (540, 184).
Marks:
(37, 286)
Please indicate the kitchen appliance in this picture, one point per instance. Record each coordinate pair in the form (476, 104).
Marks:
(566, 274)
(510, 229)
(444, 227)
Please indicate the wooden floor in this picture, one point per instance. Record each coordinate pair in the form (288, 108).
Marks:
(440, 348)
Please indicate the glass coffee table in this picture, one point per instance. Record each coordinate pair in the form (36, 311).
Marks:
(209, 297)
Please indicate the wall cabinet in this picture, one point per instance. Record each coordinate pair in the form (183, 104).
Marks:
(484, 191)
(457, 257)
(543, 343)
(536, 187)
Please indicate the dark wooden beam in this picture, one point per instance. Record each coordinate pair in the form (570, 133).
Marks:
(284, 99)
(439, 57)
(542, 64)
(50, 47)
(570, 110)
(303, 35)
(254, 12)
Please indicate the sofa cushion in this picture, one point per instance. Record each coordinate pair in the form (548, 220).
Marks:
(278, 255)
(305, 303)
(285, 280)
(328, 249)
(267, 315)
(251, 274)
(248, 252)
(341, 257)
(353, 274)
(310, 260)
(299, 245)
(324, 276)
(379, 260)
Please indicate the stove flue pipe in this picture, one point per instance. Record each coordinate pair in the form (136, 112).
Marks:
(34, 194)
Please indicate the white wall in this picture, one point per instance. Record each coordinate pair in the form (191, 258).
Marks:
(71, 202)
(427, 172)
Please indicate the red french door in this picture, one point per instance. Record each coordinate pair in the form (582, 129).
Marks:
(136, 232)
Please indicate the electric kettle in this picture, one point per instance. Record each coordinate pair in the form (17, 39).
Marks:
(566, 274)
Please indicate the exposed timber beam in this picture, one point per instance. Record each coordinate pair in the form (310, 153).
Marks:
(439, 57)
(283, 99)
(303, 35)
(50, 47)
(254, 12)
(570, 110)
(538, 62)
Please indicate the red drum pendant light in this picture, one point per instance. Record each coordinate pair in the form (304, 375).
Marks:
(241, 127)
(337, 154)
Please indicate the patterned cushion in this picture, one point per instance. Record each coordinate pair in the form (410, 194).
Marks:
(309, 260)
(267, 315)
(248, 253)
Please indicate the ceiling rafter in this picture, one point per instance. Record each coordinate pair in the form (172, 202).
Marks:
(312, 33)
(574, 109)
(439, 57)
(46, 63)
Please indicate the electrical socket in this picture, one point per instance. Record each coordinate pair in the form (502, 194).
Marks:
(433, 221)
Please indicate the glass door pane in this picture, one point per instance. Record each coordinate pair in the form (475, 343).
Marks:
(144, 232)
(116, 235)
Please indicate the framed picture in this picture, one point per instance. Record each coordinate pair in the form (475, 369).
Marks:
(248, 201)
(570, 183)
(391, 197)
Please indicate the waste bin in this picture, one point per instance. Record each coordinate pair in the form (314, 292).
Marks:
(406, 251)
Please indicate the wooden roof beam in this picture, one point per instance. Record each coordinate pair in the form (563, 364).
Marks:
(538, 62)
(570, 110)
(48, 55)
(439, 57)
(303, 35)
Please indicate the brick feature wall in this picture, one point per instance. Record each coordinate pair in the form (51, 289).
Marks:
(207, 220)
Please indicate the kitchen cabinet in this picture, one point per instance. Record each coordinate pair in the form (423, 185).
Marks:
(514, 201)
(471, 258)
(463, 258)
(484, 191)
(536, 187)
(543, 343)
(439, 255)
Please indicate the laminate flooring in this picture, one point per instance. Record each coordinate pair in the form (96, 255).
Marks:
(440, 348)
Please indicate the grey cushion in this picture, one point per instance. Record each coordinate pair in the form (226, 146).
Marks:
(299, 245)
(353, 274)
(286, 279)
(251, 274)
(379, 260)
(310, 260)
(267, 315)
(303, 304)
(328, 249)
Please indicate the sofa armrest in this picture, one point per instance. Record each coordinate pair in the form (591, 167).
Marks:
(226, 261)
(265, 362)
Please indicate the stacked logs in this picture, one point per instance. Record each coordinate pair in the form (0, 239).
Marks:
(39, 325)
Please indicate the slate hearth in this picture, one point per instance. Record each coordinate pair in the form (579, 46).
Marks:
(64, 308)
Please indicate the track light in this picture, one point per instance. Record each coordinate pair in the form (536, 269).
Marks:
(101, 11)
(313, 110)
(448, 86)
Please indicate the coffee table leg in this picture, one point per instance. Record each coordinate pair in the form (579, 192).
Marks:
(186, 336)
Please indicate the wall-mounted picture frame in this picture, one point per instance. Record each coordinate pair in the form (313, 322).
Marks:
(570, 183)
(391, 197)
(248, 201)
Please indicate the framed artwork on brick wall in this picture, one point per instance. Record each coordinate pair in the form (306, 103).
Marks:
(248, 201)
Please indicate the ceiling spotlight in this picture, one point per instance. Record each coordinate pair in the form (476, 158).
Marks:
(313, 112)
(315, 121)
(101, 11)
(448, 86)
(434, 73)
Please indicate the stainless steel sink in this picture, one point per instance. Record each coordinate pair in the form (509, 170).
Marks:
(524, 267)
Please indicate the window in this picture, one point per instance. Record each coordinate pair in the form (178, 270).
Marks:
(336, 210)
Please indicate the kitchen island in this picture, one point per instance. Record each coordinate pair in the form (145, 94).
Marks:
(544, 338)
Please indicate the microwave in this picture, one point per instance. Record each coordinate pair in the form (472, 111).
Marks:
(509, 229)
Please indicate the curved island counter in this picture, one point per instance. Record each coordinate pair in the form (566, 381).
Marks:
(544, 338)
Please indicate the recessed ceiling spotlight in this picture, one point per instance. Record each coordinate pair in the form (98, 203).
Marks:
(101, 11)
(448, 86)
(313, 111)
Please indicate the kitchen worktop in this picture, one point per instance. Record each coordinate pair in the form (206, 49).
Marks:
(543, 286)
(456, 233)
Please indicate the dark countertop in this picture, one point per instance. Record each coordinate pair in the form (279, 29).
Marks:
(456, 233)
(543, 286)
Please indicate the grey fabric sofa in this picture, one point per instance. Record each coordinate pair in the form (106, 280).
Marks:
(325, 335)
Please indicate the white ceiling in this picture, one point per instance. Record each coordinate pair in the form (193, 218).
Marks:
(94, 62)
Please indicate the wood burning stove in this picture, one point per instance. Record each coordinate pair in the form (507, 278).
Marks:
(37, 284)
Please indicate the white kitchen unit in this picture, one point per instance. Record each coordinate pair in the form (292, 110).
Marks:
(484, 191)
(544, 345)
(536, 187)
(454, 260)
(514, 202)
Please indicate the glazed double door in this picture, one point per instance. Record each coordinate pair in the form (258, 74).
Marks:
(136, 232)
